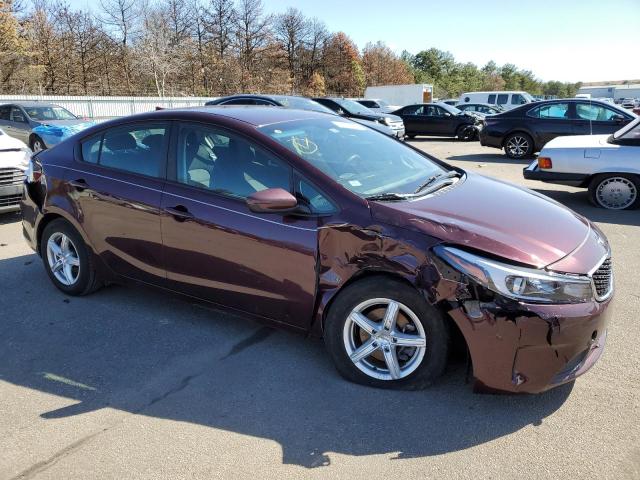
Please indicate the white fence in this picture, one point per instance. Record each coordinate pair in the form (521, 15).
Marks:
(105, 107)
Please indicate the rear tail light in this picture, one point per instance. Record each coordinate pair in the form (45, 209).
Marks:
(545, 162)
(34, 171)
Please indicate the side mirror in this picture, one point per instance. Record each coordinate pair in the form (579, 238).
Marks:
(617, 118)
(19, 118)
(272, 200)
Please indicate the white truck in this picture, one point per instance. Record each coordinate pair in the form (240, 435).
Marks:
(401, 95)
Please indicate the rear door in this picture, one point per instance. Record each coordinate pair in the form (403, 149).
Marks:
(551, 120)
(411, 116)
(445, 123)
(215, 247)
(117, 185)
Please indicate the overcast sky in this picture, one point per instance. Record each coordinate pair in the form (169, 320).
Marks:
(567, 40)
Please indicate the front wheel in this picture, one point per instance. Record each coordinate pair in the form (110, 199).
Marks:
(615, 191)
(37, 145)
(67, 260)
(381, 332)
(518, 145)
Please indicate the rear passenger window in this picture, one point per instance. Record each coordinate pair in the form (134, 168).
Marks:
(492, 99)
(554, 110)
(503, 98)
(137, 149)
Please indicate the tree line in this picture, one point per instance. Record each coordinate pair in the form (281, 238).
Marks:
(215, 47)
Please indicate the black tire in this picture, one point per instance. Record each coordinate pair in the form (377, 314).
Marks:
(411, 136)
(37, 144)
(466, 133)
(87, 278)
(627, 181)
(518, 145)
(435, 328)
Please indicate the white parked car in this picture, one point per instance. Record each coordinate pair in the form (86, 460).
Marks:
(608, 165)
(14, 160)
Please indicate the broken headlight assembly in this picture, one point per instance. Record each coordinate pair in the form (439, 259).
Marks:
(519, 283)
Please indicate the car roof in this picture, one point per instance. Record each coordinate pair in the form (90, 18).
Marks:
(252, 114)
(30, 104)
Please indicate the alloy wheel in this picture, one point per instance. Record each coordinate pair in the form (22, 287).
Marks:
(384, 339)
(37, 146)
(616, 193)
(518, 146)
(63, 259)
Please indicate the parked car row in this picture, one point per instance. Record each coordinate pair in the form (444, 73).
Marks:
(322, 225)
(525, 130)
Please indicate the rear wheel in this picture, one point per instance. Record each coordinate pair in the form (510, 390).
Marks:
(411, 137)
(67, 260)
(381, 332)
(518, 145)
(615, 191)
(466, 133)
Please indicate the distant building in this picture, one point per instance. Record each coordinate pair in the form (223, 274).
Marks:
(612, 91)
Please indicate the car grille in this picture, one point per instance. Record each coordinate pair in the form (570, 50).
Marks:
(11, 176)
(602, 279)
(10, 200)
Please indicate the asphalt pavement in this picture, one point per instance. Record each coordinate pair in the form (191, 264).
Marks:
(132, 383)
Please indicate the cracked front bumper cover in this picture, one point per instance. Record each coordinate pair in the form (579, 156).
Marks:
(529, 348)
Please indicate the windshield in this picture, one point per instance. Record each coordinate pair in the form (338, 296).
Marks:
(360, 159)
(353, 107)
(629, 132)
(303, 104)
(42, 114)
(449, 108)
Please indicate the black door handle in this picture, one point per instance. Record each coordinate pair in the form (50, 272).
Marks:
(79, 184)
(179, 212)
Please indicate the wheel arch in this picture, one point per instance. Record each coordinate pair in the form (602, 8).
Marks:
(519, 130)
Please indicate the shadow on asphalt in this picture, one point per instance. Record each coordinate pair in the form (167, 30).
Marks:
(580, 203)
(145, 352)
(489, 158)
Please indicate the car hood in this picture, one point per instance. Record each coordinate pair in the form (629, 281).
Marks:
(580, 141)
(7, 142)
(492, 216)
(373, 124)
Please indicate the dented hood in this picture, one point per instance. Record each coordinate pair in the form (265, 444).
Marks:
(493, 216)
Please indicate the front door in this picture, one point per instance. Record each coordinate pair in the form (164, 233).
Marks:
(216, 248)
(118, 187)
(19, 125)
(595, 119)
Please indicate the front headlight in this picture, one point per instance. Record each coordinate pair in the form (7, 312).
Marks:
(519, 283)
(26, 156)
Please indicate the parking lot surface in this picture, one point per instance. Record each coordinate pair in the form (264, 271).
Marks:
(135, 383)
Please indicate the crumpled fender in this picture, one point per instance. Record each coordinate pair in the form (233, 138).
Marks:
(347, 252)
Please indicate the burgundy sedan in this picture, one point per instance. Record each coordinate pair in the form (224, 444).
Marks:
(322, 225)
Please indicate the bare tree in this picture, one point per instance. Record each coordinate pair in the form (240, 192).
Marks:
(252, 35)
(291, 30)
(121, 16)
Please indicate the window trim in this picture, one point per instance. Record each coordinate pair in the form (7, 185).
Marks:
(78, 158)
(172, 159)
(298, 177)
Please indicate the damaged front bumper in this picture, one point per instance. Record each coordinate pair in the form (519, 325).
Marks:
(519, 347)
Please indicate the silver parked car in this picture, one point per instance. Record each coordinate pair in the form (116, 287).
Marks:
(40, 125)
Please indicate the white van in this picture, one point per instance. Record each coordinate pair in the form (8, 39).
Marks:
(507, 100)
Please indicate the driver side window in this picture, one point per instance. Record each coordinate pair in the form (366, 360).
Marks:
(213, 159)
